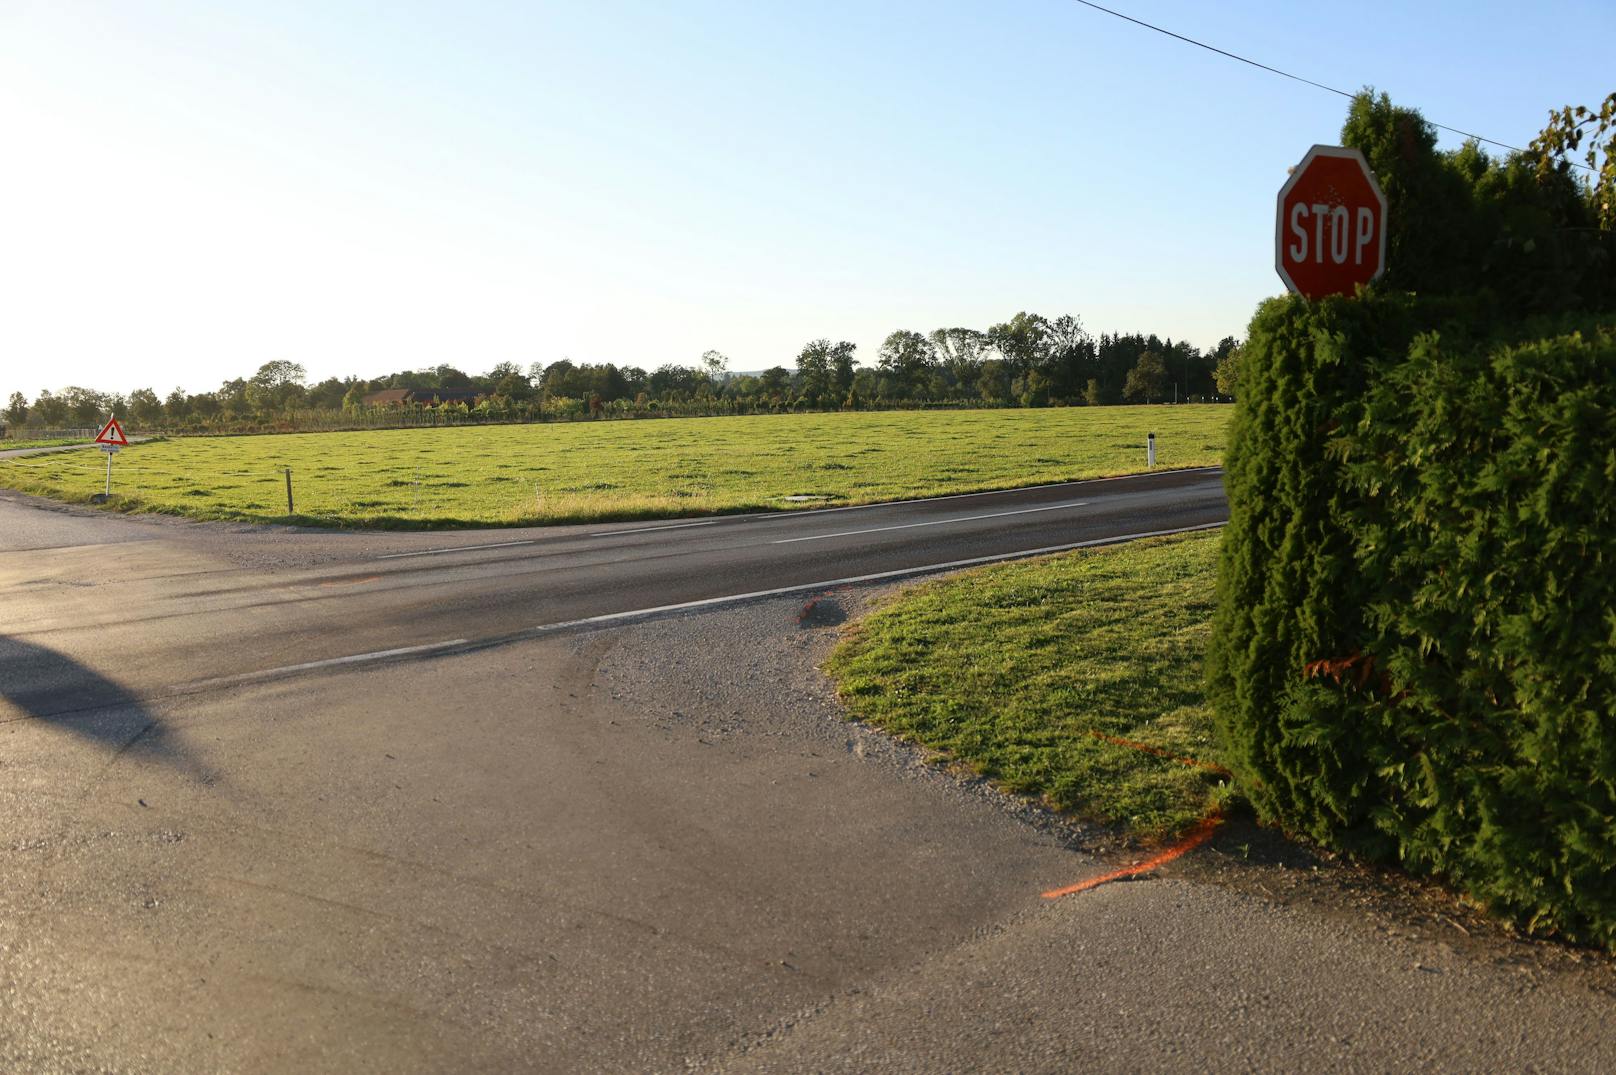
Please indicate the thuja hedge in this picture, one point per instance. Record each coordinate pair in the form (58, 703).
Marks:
(1415, 648)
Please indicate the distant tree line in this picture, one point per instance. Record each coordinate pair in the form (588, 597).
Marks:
(1027, 361)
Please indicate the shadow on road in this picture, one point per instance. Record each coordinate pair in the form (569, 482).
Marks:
(43, 684)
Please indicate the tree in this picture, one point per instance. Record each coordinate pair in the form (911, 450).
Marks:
(85, 406)
(328, 394)
(204, 404)
(1023, 341)
(1563, 136)
(145, 409)
(906, 357)
(232, 396)
(1070, 356)
(1521, 234)
(1425, 202)
(276, 385)
(671, 381)
(813, 368)
(17, 409)
(841, 368)
(993, 381)
(451, 377)
(1035, 389)
(50, 411)
(1091, 394)
(960, 354)
(176, 406)
(1228, 372)
(553, 378)
(1147, 379)
(774, 381)
(715, 365)
(507, 380)
(279, 374)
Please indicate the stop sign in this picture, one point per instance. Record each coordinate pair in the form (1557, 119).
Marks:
(1330, 231)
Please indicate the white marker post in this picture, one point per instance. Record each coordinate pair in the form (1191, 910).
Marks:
(1150, 449)
(111, 450)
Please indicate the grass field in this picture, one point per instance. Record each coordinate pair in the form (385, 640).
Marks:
(1034, 674)
(575, 472)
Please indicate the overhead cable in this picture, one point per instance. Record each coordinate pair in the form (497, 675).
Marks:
(1287, 74)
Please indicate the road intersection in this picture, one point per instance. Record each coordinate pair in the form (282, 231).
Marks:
(579, 799)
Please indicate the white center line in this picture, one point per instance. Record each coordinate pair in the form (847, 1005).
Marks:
(683, 606)
(456, 548)
(934, 522)
(650, 529)
(330, 662)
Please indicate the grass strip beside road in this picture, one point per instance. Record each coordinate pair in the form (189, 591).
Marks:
(1075, 678)
(625, 470)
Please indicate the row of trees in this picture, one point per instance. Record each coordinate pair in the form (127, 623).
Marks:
(1028, 361)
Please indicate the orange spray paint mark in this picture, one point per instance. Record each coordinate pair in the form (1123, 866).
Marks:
(1194, 838)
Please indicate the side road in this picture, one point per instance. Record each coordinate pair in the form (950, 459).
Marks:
(19, 453)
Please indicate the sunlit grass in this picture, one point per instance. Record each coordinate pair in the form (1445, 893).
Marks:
(585, 471)
(1033, 674)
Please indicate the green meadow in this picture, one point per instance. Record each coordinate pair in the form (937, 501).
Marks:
(1073, 678)
(587, 471)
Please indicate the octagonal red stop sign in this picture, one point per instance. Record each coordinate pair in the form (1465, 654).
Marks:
(1330, 233)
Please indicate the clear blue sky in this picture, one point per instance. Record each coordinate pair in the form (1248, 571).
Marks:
(192, 189)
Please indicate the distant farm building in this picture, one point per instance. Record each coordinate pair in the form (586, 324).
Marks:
(422, 397)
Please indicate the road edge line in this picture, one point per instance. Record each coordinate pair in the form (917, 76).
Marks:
(633, 615)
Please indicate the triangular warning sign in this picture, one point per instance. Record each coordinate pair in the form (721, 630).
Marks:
(112, 433)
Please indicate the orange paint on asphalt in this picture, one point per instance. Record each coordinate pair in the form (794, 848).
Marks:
(1195, 838)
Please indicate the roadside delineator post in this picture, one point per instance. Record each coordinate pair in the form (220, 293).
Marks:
(1150, 449)
(289, 491)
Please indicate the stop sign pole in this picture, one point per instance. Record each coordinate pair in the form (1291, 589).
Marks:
(1330, 224)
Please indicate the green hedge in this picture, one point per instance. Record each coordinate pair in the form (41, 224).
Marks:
(1415, 646)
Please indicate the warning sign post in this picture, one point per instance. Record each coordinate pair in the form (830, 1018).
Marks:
(109, 440)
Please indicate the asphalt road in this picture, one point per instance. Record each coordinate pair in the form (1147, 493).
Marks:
(170, 605)
(242, 833)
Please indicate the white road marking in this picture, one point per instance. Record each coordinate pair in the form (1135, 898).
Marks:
(308, 666)
(709, 602)
(650, 529)
(683, 606)
(961, 496)
(799, 514)
(933, 522)
(457, 548)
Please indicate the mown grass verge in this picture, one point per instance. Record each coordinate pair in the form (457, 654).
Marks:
(1048, 676)
(594, 471)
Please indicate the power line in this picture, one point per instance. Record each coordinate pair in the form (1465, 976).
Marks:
(1287, 74)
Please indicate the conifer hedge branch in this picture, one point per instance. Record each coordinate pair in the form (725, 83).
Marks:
(1415, 648)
